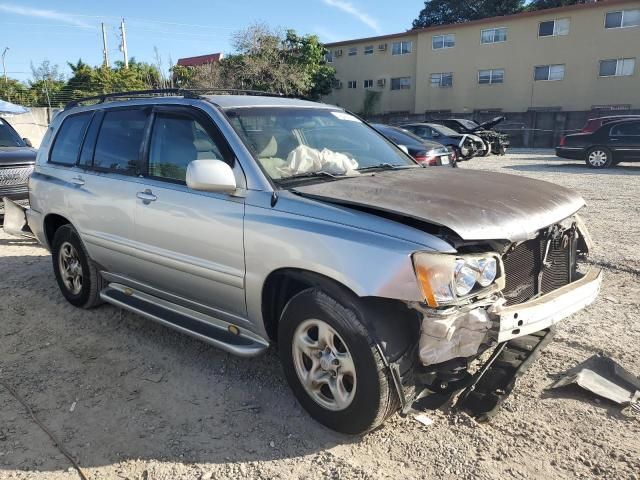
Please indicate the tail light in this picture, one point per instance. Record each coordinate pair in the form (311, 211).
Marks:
(424, 159)
(562, 141)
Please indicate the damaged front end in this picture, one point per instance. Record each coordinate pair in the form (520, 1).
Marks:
(501, 295)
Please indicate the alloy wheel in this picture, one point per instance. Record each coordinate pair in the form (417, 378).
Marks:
(598, 158)
(70, 268)
(324, 364)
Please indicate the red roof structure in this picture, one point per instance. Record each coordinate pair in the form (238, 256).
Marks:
(200, 60)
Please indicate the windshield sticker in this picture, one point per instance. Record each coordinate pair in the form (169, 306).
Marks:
(345, 116)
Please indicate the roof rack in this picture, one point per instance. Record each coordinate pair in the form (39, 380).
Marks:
(186, 93)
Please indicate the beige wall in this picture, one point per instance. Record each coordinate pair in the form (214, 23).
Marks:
(32, 125)
(587, 43)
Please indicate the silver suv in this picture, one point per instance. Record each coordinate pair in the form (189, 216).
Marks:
(249, 220)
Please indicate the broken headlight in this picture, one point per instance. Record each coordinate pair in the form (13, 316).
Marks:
(449, 279)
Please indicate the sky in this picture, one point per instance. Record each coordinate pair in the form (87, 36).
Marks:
(66, 30)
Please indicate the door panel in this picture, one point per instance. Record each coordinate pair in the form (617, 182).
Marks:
(624, 140)
(191, 243)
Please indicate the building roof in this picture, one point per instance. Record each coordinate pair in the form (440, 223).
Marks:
(200, 60)
(503, 18)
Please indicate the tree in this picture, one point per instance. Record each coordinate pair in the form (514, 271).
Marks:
(443, 12)
(267, 60)
(45, 85)
(543, 4)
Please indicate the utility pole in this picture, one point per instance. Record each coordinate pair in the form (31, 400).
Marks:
(123, 45)
(4, 68)
(105, 48)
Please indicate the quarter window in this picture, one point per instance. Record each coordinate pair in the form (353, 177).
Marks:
(368, 50)
(489, 77)
(368, 84)
(402, 48)
(622, 19)
(442, 80)
(352, 84)
(175, 142)
(353, 51)
(553, 28)
(119, 140)
(493, 35)
(401, 83)
(549, 72)
(66, 147)
(620, 67)
(443, 41)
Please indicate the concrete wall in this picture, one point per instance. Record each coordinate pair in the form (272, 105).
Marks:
(32, 125)
(581, 51)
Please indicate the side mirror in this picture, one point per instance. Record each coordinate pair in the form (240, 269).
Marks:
(404, 149)
(211, 176)
(27, 142)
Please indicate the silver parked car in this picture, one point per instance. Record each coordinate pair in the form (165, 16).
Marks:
(249, 220)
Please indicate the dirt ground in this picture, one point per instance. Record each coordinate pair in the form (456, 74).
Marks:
(131, 399)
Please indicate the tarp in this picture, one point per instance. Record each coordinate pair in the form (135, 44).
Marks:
(7, 108)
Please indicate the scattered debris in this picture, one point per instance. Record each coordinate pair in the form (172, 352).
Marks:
(423, 419)
(606, 378)
(73, 406)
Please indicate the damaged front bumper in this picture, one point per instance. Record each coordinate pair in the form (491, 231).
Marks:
(462, 332)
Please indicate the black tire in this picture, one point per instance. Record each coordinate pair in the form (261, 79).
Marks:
(599, 157)
(459, 157)
(89, 293)
(487, 152)
(374, 398)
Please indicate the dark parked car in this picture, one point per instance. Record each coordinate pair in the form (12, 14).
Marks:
(425, 152)
(17, 159)
(495, 142)
(595, 123)
(612, 143)
(466, 146)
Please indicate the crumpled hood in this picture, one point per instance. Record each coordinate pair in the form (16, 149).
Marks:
(491, 123)
(476, 205)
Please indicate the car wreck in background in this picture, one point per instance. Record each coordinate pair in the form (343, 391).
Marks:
(17, 159)
(465, 145)
(495, 142)
(425, 152)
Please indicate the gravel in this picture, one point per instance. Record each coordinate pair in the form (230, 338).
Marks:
(131, 399)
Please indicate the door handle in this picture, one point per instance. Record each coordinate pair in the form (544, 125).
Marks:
(77, 181)
(146, 196)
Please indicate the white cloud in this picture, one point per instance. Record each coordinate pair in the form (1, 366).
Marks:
(349, 8)
(47, 14)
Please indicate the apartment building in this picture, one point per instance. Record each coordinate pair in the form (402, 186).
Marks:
(579, 57)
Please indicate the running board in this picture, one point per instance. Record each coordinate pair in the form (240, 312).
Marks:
(496, 378)
(228, 337)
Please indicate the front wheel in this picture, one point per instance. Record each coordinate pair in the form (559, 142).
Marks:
(599, 157)
(332, 364)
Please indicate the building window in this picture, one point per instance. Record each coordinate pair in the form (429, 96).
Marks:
(549, 72)
(352, 51)
(368, 84)
(489, 77)
(352, 84)
(442, 80)
(368, 50)
(620, 67)
(401, 83)
(328, 57)
(493, 35)
(402, 48)
(553, 28)
(622, 19)
(443, 41)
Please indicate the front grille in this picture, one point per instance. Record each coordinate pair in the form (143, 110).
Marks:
(523, 265)
(11, 176)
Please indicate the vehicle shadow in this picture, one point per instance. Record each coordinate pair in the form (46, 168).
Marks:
(576, 168)
(113, 387)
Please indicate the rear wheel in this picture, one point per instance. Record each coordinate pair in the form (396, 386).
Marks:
(332, 364)
(78, 278)
(599, 157)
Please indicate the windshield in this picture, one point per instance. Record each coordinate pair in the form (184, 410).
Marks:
(469, 124)
(442, 130)
(8, 137)
(293, 142)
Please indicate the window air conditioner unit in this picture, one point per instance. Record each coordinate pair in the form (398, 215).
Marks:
(382, 47)
(382, 82)
(337, 84)
(338, 53)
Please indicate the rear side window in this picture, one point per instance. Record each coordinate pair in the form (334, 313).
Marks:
(119, 140)
(632, 128)
(66, 147)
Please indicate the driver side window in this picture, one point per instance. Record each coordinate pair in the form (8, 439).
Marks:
(176, 141)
